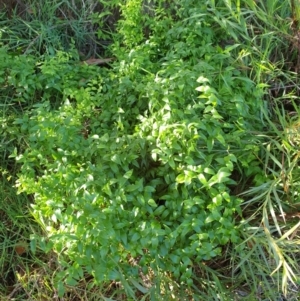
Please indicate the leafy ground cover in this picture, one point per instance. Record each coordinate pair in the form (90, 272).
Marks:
(149, 150)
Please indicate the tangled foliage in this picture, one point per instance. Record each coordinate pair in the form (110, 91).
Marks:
(138, 160)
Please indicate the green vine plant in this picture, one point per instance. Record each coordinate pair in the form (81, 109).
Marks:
(133, 168)
(151, 176)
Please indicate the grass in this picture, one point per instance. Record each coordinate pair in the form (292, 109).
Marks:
(265, 265)
(16, 224)
(51, 26)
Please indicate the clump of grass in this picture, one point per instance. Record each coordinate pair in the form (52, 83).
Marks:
(43, 28)
(267, 259)
(15, 230)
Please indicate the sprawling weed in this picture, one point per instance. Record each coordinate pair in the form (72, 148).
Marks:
(173, 174)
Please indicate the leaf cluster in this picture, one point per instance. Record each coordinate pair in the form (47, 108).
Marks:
(138, 161)
(136, 169)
